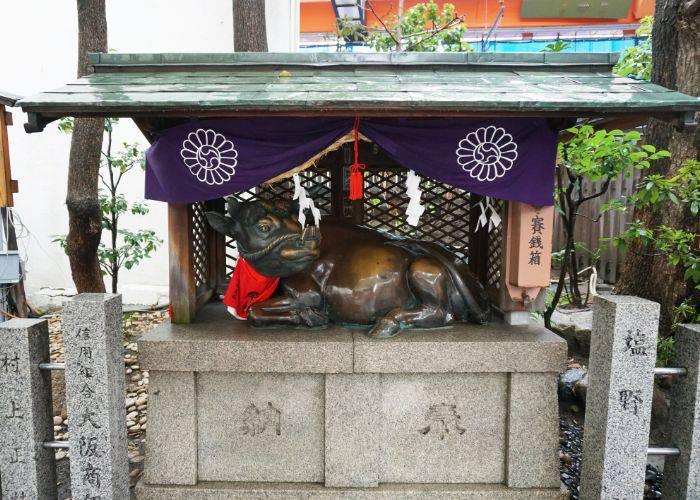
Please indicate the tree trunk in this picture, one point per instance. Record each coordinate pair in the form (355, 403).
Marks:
(84, 216)
(249, 32)
(676, 64)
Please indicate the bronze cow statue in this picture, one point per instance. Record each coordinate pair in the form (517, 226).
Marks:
(353, 275)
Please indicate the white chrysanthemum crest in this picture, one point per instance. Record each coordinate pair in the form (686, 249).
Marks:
(211, 157)
(487, 153)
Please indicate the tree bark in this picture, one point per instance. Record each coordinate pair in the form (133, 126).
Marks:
(249, 31)
(84, 216)
(676, 64)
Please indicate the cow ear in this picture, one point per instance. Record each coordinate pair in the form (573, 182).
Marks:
(222, 224)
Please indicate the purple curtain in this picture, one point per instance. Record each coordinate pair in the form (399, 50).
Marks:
(508, 158)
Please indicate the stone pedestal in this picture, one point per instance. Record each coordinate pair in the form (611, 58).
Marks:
(465, 412)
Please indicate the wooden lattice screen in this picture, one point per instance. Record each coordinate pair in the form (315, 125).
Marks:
(200, 246)
(446, 218)
(494, 251)
(449, 219)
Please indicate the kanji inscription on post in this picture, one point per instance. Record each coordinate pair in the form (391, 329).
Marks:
(535, 243)
(95, 396)
(529, 251)
(630, 401)
(636, 343)
(26, 467)
(618, 402)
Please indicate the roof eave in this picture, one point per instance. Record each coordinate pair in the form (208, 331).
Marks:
(683, 119)
(8, 99)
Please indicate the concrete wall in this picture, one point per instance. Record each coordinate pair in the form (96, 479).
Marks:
(38, 52)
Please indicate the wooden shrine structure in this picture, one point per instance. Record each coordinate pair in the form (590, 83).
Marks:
(161, 90)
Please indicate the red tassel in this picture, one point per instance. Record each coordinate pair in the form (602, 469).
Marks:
(356, 182)
(356, 169)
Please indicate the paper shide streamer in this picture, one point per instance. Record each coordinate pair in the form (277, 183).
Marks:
(489, 221)
(305, 202)
(414, 209)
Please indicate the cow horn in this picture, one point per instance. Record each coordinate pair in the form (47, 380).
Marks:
(233, 204)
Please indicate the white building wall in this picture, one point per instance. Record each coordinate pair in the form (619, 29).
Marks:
(38, 52)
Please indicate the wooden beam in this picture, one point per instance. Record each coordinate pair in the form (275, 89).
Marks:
(149, 125)
(183, 293)
(184, 114)
(6, 185)
(36, 122)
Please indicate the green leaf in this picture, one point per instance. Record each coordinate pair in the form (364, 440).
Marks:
(632, 135)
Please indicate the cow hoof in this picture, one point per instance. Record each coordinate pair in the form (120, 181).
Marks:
(384, 329)
(312, 317)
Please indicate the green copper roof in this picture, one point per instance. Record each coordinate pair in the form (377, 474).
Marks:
(8, 99)
(405, 84)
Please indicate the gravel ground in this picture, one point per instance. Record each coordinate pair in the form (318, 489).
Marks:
(570, 444)
(135, 402)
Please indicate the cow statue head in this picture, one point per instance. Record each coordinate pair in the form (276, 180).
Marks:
(269, 236)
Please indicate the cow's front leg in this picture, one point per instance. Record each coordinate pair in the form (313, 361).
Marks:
(297, 307)
(278, 311)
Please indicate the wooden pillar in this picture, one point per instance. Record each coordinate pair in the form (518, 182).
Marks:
(337, 185)
(183, 294)
(6, 188)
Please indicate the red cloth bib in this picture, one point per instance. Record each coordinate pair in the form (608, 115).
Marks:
(246, 288)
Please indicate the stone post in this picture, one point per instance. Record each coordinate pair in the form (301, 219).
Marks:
(682, 473)
(26, 467)
(92, 334)
(618, 403)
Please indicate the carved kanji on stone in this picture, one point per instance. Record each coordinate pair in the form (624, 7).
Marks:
(444, 420)
(257, 421)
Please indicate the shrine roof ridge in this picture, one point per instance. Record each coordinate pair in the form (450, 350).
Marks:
(206, 61)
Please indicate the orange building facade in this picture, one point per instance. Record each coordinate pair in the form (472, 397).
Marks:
(317, 16)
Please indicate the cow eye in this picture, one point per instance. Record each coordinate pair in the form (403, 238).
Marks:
(264, 227)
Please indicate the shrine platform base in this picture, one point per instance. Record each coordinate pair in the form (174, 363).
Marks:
(208, 490)
(464, 411)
